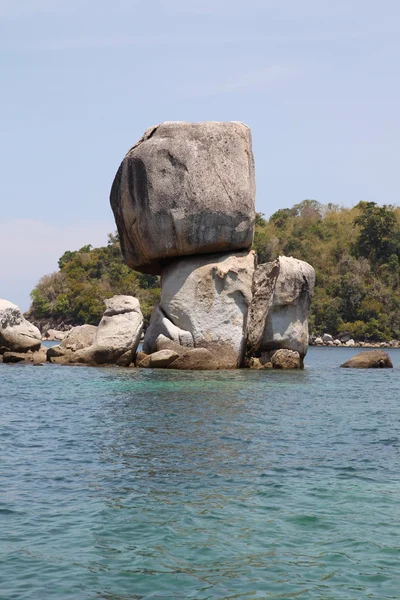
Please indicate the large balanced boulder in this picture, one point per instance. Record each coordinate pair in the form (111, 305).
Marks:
(372, 359)
(208, 296)
(185, 189)
(16, 333)
(282, 294)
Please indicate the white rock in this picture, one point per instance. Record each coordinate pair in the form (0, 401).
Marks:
(337, 342)
(327, 338)
(289, 287)
(161, 325)
(350, 343)
(318, 341)
(78, 338)
(209, 296)
(16, 333)
(119, 332)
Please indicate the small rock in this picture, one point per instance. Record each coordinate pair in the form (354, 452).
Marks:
(286, 359)
(196, 359)
(337, 342)
(372, 359)
(318, 341)
(350, 343)
(158, 360)
(327, 338)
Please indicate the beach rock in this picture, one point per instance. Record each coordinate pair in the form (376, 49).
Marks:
(185, 189)
(16, 333)
(350, 343)
(161, 325)
(371, 359)
(337, 342)
(327, 338)
(286, 359)
(209, 296)
(282, 294)
(196, 359)
(117, 335)
(318, 341)
(159, 360)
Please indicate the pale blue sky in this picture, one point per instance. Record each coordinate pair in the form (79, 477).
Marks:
(317, 81)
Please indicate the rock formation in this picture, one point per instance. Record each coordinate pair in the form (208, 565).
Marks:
(183, 201)
(282, 294)
(114, 341)
(184, 189)
(16, 333)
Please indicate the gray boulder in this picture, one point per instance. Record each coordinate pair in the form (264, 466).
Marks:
(209, 296)
(282, 294)
(286, 359)
(78, 338)
(16, 333)
(372, 359)
(185, 189)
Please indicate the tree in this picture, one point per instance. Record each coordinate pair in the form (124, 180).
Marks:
(377, 225)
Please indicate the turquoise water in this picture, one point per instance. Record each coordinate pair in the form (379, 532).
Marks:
(122, 484)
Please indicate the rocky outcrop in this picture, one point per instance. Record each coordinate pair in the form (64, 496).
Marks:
(158, 360)
(282, 294)
(185, 189)
(36, 357)
(208, 296)
(197, 359)
(114, 341)
(286, 359)
(373, 359)
(54, 335)
(16, 333)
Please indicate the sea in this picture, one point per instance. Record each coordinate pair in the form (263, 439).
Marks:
(133, 484)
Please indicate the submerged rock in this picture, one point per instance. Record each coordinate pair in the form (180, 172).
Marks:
(16, 333)
(185, 189)
(373, 359)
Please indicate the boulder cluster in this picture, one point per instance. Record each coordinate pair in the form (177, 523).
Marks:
(184, 204)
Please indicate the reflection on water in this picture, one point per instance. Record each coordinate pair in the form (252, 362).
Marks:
(122, 484)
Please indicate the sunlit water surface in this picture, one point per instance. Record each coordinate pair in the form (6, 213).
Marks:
(122, 484)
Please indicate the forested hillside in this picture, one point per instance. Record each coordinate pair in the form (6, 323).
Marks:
(75, 293)
(355, 253)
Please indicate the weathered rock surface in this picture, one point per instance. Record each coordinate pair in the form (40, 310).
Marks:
(161, 325)
(373, 359)
(209, 296)
(118, 333)
(36, 357)
(159, 360)
(286, 359)
(196, 359)
(185, 189)
(16, 333)
(77, 338)
(282, 294)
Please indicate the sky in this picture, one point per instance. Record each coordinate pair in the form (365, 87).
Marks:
(81, 80)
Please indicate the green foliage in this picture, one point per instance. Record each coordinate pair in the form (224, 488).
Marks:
(356, 256)
(355, 253)
(75, 294)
